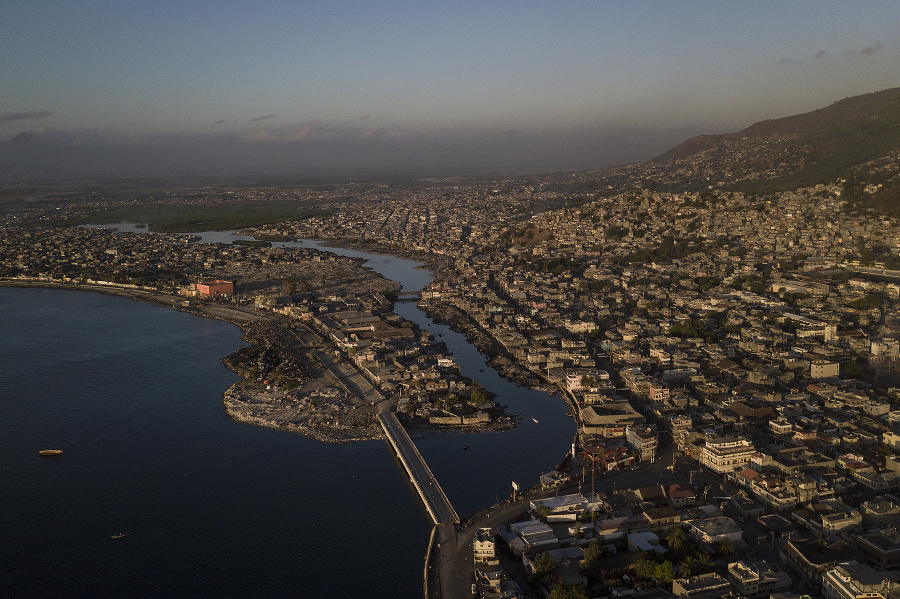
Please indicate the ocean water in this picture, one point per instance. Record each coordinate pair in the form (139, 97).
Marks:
(212, 508)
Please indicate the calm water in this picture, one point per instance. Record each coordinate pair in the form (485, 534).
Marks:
(213, 508)
(132, 394)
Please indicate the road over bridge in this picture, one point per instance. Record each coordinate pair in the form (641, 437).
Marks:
(436, 502)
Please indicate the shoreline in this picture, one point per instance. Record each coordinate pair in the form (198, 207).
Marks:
(250, 402)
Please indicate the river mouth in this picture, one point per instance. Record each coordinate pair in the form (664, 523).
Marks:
(480, 475)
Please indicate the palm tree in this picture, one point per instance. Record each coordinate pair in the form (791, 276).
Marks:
(702, 563)
(688, 565)
(675, 538)
(725, 547)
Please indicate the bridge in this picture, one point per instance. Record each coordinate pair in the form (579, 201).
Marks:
(430, 491)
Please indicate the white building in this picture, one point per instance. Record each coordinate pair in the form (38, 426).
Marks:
(726, 455)
(851, 580)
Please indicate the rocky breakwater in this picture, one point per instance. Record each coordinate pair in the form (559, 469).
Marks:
(285, 386)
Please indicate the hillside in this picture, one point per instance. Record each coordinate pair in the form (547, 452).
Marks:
(791, 152)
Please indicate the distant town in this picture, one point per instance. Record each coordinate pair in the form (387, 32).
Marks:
(730, 361)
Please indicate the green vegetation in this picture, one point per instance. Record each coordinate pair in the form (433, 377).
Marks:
(544, 567)
(670, 249)
(691, 329)
(648, 568)
(568, 591)
(866, 303)
(526, 235)
(181, 218)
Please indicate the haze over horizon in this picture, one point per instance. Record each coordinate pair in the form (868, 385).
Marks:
(164, 88)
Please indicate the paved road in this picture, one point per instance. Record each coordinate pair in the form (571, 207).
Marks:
(435, 500)
(352, 378)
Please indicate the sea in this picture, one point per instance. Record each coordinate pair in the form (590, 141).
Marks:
(210, 507)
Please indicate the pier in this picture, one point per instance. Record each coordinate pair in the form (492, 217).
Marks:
(426, 484)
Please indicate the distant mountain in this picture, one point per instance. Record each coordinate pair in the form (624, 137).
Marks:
(791, 152)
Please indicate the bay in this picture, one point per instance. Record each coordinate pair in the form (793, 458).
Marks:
(212, 508)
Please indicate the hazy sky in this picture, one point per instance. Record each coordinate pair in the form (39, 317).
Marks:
(297, 70)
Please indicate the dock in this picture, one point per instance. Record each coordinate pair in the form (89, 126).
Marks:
(436, 502)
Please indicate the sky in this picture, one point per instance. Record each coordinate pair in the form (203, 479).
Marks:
(498, 81)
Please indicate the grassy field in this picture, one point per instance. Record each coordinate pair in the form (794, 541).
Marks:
(170, 218)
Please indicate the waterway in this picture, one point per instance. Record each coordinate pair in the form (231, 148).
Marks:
(475, 478)
(132, 394)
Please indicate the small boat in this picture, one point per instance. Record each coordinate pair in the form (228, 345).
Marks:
(119, 535)
(465, 447)
(50, 451)
(535, 419)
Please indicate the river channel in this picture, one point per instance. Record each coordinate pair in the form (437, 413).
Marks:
(475, 478)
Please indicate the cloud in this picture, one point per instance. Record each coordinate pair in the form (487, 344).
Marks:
(819, 54)
(786, 61)
(264, 117)
(220, 121)
(320, 130)
(22, 116)
(869, 50)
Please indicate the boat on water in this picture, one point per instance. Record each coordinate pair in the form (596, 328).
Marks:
(119, 535)
(465, 447)
(535, 419)
(50, 451)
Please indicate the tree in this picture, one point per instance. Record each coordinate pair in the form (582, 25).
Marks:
(289, 286)
(568, 591)
(543, 569)
(645, 568)
(593, 551)
(703, 563)
(664, 572)
(478, 394)
(675, 538)
(725, 547)
(688, 566)
(852, 369)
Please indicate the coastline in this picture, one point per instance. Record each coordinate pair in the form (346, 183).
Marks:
(258, 403)
(251, 403)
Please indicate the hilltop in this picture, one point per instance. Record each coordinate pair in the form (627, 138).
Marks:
(844, 139)
(855, 142)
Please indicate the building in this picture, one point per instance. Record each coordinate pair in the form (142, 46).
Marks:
(811, 559)
(756, 579)
(216, 287)
(643, 440)
(850, 580)
(485, 548)
(881, 549)
(726, 455)
(883, 510)
(704, 586)
(715, 530)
